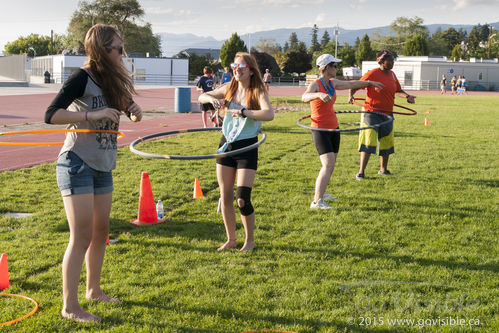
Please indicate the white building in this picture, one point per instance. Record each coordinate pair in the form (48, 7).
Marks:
(425, 73)
(160, 71)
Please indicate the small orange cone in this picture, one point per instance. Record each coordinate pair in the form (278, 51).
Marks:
(197, 190)
(4, 272)
(107, 240)
(426, 122)
(147, 208)
(428, 112)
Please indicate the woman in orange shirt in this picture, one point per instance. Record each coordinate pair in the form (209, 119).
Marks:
(322, 94)
(379, 101)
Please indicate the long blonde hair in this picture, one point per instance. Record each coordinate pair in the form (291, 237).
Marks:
(114, 79)
(256, 86)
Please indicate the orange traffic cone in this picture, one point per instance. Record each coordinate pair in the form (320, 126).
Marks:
(426, 122)
(147, 208)
(4, 272)
(107, 240)
(197, 190)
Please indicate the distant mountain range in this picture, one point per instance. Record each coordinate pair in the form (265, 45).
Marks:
(174, 43)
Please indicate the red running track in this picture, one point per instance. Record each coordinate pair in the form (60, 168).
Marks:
(26, 112)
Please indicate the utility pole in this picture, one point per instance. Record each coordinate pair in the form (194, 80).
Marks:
(491, 28)
(336, 33)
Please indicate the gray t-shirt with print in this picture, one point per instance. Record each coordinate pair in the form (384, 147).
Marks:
(80, 93)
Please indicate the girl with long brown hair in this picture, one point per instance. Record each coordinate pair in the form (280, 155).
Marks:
(246, 103)
(93, 97)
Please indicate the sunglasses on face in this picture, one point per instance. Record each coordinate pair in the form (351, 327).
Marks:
(236, 66)
(117, 48)
(333, 65)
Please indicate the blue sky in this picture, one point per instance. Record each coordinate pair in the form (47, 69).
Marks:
(220, 18)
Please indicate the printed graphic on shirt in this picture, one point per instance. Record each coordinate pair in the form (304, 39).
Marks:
(107, 140)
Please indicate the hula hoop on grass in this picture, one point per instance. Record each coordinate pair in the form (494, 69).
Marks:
(26, 315)
(411, 113)
(121, 136)
(388, 119)
(191, 157)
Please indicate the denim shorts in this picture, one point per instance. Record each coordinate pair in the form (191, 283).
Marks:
(75, 177)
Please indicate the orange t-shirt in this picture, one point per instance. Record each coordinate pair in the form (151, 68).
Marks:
(381, 99)
(323, 115)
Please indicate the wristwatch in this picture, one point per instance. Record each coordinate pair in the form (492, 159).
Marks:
(242, 112)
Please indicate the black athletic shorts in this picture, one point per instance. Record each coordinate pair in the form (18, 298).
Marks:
(326, 142)
(246, 160)
(207, 107)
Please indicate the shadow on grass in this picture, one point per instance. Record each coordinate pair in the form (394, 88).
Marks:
(404, 259)
(312, 325)
(415, 135)
(287, 130)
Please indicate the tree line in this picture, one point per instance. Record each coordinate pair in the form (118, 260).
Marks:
(122, 13)
(408, 36)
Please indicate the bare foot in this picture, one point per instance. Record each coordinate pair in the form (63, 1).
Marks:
(230, 244)
(80, 316)
(101, 297)
(248, 247)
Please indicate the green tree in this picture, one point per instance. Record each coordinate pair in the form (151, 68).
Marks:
(452, 37)
(285, 48)
(293, 41)
(268, 45)
(325, 38)
(297, 61)
(35, 45)
(196, 63)
(402, 29)
(473, 40)
(123, 14)
(437, 46)
(314, 44)
(416, 46)
(483, 32)
(364, 51)
(347, 55)
(457, 53)
(229, 49)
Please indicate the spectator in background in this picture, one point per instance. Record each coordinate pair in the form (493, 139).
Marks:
(226, 77)
(267, 79)
(453, 84)
(443, 83)
(463, 84)
(206, 83)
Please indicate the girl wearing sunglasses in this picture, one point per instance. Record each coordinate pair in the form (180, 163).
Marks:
(322, 94)
(246, 105)
(93, 97)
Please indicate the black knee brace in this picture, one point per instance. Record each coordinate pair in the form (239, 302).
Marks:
(244, 192)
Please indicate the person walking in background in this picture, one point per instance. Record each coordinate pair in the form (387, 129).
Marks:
(226, 77)
(443, 83)
(464, 84)
(206, 83)
(247, 104)
(453, 84)
(381, 138)
(267, 78)
(93, 97)
(322, 94)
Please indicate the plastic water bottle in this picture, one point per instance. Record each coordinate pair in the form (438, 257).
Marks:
(159, 209)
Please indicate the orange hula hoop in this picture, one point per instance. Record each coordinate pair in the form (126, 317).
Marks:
(26, 315)
(121, 135)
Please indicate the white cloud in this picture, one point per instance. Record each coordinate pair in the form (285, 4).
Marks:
(321, 18)
(167, 11)
(463, 4)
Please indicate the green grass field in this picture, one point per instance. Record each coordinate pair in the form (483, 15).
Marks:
(421, 246)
